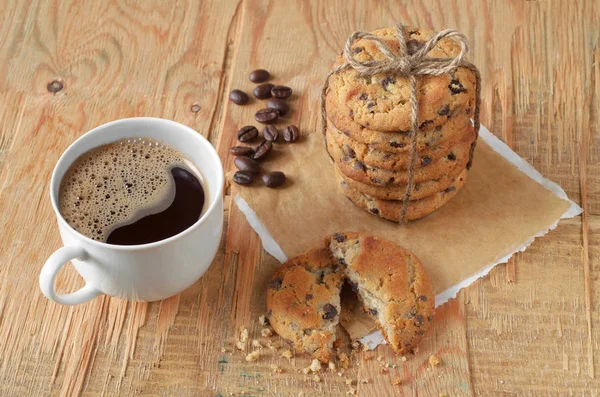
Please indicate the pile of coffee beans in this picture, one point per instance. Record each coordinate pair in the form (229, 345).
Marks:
(247, 157)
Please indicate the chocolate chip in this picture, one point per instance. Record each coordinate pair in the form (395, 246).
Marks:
(376, 181)
(247, 164)
(266, 116)
(247, 133)
(243, 178)
(357, 50)
(342, 261)
(359, 165)
(274, 179)
(281, 91)
(308, 297)
(444, 111)
(351, 113)
(425, 160)
(468, 110)
(263, 91)
(456, 87)
(340, 238)
(450, 189)
(425, 123)
(370, 104)
(270, 133)
(451, 157)
(387, 81)
(406, 133)
(373, 312)
(259, 76)
(241, 150)
(279, 105)
(397, 144)
(413, 32)
(238, 97)
(412, 46)
(329, 311)
(423, 298)
(374, 211)
(348, 151)
(276, 284)
(418, 320)
(363, 96)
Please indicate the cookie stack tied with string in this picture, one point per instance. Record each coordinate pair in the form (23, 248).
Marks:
(397, 111)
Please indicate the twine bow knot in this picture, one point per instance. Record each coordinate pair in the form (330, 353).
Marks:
(408, 65)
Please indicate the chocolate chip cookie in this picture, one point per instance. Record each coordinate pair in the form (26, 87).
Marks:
(391, 209)
(303, 302)
(391, 160)
(391, 283)
(382, 102)
(349, 165)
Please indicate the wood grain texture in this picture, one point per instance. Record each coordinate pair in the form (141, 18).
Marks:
(530, 328)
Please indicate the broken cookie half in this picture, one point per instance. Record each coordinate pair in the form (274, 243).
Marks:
(303, 297)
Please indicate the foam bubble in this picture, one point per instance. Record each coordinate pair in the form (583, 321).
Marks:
(114, 185)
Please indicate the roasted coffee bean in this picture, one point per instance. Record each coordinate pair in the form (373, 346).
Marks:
(329, 311)
(270, 133)
(262, 149)
(281, 91)
(291, 133)
(263, 91)
(259, 76)
(279, 105)
(238, 97)
(241, 151)
(243, 178)
(247, 164)
(247, 133)
(266, 116)
(274, 179)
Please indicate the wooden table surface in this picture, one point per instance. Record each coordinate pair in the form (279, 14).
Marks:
(530, 328)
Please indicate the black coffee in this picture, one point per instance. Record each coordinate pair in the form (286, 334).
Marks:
(134, 191)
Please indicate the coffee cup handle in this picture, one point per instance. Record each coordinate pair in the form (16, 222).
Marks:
(48, 274)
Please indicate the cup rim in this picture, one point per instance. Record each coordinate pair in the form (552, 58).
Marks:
(181, 128)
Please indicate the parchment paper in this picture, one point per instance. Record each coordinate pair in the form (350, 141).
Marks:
(505, 204)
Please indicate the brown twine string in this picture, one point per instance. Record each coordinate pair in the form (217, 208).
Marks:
(409, 66)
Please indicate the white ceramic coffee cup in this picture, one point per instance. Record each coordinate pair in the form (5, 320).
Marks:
(146, 272)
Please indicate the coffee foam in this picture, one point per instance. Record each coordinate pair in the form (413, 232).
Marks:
(116, 184)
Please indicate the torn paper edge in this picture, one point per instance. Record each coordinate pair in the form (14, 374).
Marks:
(375, 338)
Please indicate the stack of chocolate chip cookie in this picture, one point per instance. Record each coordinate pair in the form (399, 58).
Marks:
(369, 129)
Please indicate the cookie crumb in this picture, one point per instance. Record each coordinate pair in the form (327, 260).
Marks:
(331, 366)
(349, 382)
(434, 361)
(355, 345)
(343, 359)
(253, 356)
(351, 392)
(271, 346)
(223, 350)
(306, 370)
(340, 374)
(415, 350)
(397, 381)
(276, 369)
(380, 358)
(368, 357)
(316, 378)
(240, 343)
(262, 319)
(364, 381)
(287, 354)
(266, 332)
(315, 365)
(256, 344)
(383, 371)
(403, 359)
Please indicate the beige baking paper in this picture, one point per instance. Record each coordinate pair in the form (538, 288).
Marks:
(499, 212)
